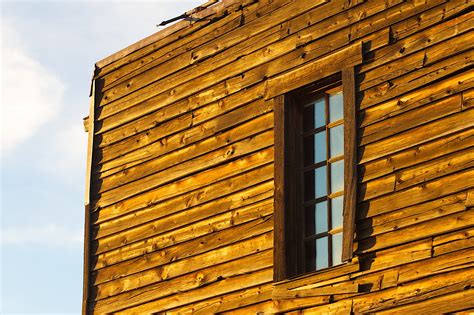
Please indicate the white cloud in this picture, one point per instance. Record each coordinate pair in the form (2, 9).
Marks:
(48, 235)
(31, 95)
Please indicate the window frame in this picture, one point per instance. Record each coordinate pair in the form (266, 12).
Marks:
(286, 264)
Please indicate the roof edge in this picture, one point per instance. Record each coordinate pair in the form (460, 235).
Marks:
(204, 10)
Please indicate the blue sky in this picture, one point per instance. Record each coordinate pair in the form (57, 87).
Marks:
(48, 50)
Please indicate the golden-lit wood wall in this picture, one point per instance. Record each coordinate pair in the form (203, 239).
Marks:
(181, 188)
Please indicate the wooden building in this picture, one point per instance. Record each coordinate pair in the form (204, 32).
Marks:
(286, 156)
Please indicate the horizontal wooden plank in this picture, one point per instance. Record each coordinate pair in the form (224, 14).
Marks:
(321, 275)
(445, 304)
(233, 300)
(417, 154)
(284, 294)
(428, 18)
(453, 242)
(421, 40)
(223, 286)
(205, 163)
(185, 185)
(117, 267)
(418, 135)
(406, 64)
(425, 192)
(226, 138)
(189, 231)
(162, 140)
(414, 291)
(468, 98)
(181, 281)
(244, 33)
(161, 38)
(158, 242)
(314, 71)
(435, 227)
(436, 168)
(404, 217)
(231, 198)
(410, 81)
(417, 98)
(413, 118)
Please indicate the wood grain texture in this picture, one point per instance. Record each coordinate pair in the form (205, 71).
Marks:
(185, 201)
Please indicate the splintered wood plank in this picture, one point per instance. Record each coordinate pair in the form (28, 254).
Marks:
(395, 220)
(110, 269)
(414, 232)
(430, 55)
(457, 260)
(436, 168)
(435, 91)
(390, 258)
(190, 277)
(202, 106)
(414, 291)
(184, 212)
(171, 238)
(424, 133)
(158, 141)
(199, 198)
(177, 89)
(218, 288)
(428, 18)
(185, 185)
(417, 154)
(426, 74)
(468, 99)
(453, 242)
(420, 40)
(257, 34)
(413, 118)
(202, 227)
(226, 138)
(186, 168)
(377, 187)
(446, 304)
(425, 192)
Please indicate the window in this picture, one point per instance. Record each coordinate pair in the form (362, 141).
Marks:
(315, 176)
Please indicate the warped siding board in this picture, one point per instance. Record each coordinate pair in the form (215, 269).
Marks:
(182, 179)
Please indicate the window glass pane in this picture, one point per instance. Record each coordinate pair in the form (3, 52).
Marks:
(320, 189)
(314, 116)
(336, 248)
(315, 148)
(336, 140)
(321, 217)
(322, 253)
(337, 176)
(336, 212)
(335, 107)
(315, 183)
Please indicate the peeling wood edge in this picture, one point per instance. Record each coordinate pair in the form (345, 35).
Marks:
(211, 9)
(87, 201)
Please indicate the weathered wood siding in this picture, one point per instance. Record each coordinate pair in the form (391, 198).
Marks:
(182, 170)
